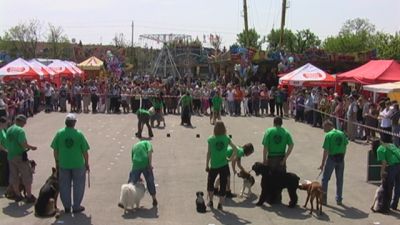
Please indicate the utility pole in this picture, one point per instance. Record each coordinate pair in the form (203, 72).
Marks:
(132, 48)
(246, 25)
(282, 23)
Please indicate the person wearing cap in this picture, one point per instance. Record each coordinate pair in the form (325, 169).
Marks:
(70, 149)
(17, 145)
(334, 146)
(389, 156)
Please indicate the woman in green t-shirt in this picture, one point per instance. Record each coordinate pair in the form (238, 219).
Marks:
(217, 151)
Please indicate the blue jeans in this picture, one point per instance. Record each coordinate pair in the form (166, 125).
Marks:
(331, 165)
(392, 181)
(134, 177)
(75, 179)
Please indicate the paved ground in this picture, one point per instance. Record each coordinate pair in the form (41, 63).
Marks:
(179, 163)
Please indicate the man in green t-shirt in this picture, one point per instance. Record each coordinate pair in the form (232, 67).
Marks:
(72, 160)
(142, 163)
(186, 104)
(216, 106)
(389, 155)
(4, 169)
(17, 145)
(334, 146)
(278, 145)
(143, 116)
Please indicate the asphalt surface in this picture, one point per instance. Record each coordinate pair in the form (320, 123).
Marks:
(179, 167)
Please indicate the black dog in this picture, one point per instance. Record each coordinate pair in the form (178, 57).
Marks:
(200, 204)
(46, 204)
(273, 183)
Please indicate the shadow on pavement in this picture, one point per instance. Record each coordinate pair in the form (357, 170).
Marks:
(228, 218)
(15, 210)
(142, 213)
(73, 219)
(297, 213)
(348, 212)
(245, 202)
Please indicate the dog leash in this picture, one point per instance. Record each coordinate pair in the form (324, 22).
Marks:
(88, 179)
(319, 175)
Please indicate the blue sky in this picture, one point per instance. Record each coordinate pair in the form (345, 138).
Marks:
(98, 21)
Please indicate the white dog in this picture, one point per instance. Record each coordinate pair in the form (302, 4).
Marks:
(131, 195)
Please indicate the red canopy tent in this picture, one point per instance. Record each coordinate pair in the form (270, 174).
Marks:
(47, 72)
(20, 69)
(373, 72)
(308, 76)
(63, 70)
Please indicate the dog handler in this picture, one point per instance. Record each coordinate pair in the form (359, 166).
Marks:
(246, 150)
(17, 146)
(217, 152)
(142, 163)
(143, 119)
(333, 159)
(275, 141)
(389, 155)
(72, 160)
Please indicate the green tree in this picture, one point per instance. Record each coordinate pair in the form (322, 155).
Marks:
(273, 39)
(250, 39)
(305, 39)
(354, 36)
(387, 45)
(24, 38)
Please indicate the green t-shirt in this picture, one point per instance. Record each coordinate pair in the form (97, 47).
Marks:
(3, 138)
(218, 146)
(276, 139)
(390, 153)
(142, 111)
(157, 104)
(335, 142)
(239, 153)
(186, 100)
(70, 145)
(217, 103)
(15, 137)
(140, 155)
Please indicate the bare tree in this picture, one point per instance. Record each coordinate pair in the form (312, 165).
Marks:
(25, 37)
(119, 40)
(58, 41)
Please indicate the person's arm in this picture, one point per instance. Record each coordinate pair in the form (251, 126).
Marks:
(265, 155)
(238, 161)
(324, 159)
(290, 148)
(28, 146)
(86, 156)
(151, 158)
(55, 154)
(234, 149)
(208, 158)
(233, 163)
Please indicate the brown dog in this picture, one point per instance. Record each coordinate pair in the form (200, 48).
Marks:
(314, 191)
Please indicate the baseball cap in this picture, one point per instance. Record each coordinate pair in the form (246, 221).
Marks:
(71, 117)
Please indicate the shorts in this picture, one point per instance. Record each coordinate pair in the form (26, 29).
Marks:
(20, 170)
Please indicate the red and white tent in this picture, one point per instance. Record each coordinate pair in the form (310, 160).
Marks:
(20, 69)
(62, 68)
(74, 67)
(308, 75)
(47, 72)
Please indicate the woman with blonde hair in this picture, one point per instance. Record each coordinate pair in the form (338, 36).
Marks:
(217, 162)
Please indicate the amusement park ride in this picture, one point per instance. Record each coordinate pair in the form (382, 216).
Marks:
(165, 59)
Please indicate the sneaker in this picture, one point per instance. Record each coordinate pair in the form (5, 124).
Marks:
(79, 210)
(210, 204)
(31, 199)
(18, 198)
(155, 203)
(230, 195)
(219, 207)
